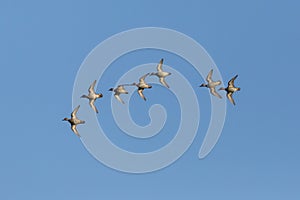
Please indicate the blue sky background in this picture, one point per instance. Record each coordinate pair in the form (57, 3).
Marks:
(43, 44)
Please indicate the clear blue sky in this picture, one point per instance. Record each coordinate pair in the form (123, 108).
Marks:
(43, 44)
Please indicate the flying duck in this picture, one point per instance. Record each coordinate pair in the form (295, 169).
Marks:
(142, 85)
(92, 96)
(231, 89)
(211, 84)
(119, 90)
(74, 121)
(161, 74)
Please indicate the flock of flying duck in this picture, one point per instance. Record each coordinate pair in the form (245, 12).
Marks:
(141, 85)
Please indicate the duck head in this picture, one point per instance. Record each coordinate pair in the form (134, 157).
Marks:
(65, 119)
(203, 85)
(111, 89)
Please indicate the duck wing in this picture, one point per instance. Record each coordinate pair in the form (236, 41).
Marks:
(208, 78)
(231, 82)
(229, 96)
(119, 98)
(159, 66)
(73, 114)
(214, 92)
(142, 79)
(127, 84)
(162, 81)
(92, 104)
(74, 129)
(92, 86)
(140, 91)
